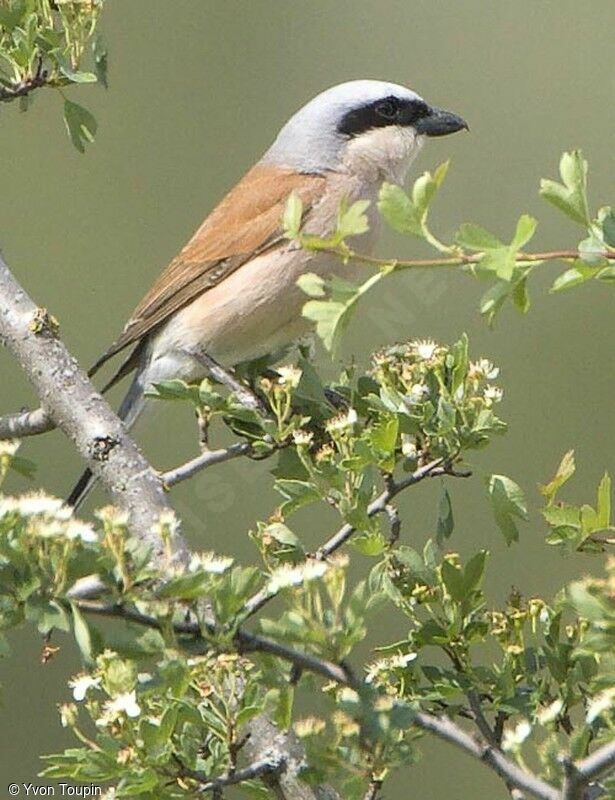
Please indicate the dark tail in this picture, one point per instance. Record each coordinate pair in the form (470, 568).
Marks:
(130, 409)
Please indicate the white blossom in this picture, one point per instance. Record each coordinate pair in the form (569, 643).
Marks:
(80, 685)
(483, 368)
(287, 576)
(424, 348)
(125, 703)
(210, 562)
(493, 394)
(514, 738)
(289, 376)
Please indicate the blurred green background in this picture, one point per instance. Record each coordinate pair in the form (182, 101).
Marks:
(197, 92)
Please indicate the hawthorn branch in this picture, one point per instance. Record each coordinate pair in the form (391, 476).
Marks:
(11, 91)
(70, 400)
(268, 765)
(207, 459)
(25, 423)
(379, 505)
(461, 259)
(598, 764)
(442, 727)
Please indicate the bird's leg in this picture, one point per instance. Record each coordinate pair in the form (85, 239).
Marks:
(244, 394)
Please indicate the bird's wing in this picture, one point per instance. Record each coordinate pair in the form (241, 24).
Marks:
(246, 223)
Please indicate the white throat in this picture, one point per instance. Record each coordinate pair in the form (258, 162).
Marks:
(382, 154)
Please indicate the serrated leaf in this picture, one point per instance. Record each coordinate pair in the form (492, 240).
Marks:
(80, 124)
(474, 237)
(570, 196)
(332, 317)
(352, 221)
(526, 227)
(312, 284)
(296, 494)
(398, 210)
(507, 502)
(564, 472)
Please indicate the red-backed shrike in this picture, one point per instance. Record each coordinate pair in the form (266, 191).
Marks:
(232, 292)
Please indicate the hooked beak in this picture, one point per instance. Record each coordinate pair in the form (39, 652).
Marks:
(439, 122)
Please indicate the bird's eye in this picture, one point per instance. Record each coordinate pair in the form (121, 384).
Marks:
(387, 109)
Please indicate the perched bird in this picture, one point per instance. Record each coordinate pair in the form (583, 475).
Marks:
(231, 294)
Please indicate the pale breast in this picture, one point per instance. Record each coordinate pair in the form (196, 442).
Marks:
(257, 309)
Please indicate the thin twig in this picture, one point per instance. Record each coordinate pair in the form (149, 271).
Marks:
(442, 727)
(25, 423)
(598, 763)
(22, 88)
(205, 460)
(373, 790)
(378, 506)
(445, 729)
(256, 770)
(463, 259)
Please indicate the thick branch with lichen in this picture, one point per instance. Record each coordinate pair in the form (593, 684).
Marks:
(70, 400)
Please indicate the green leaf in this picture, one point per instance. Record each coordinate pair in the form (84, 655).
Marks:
(564, 472)
(296, 494)
(333, 316)
(408, 214)
(82, 635)
(398, 211)
(520, 296)
(606, 219)
(591, 251)
(476, 238)
(474, 571)
(352, 221)
(425, 188)
(526, 227)
(293, 213)
(417, 568)
(452, 577)
(446, 522)
(77, 76)
(175, 390)
(80, 124)
(604, 503)
(185, 587)
(570, 196)
(312, 284)
(579, 273)
(507, 502)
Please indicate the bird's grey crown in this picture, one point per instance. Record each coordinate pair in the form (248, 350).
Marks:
(312, 139)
